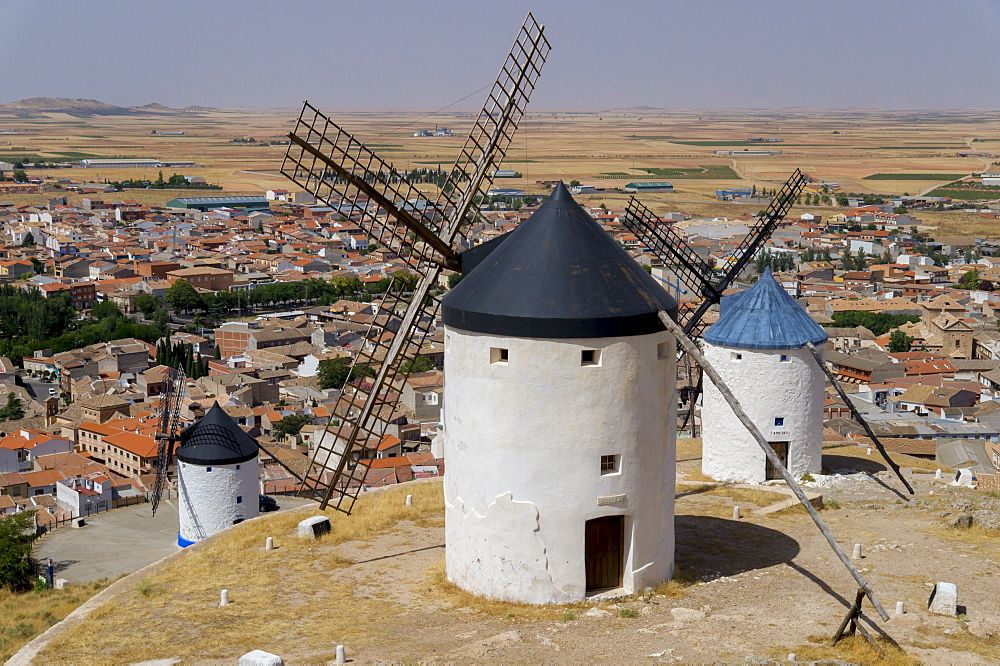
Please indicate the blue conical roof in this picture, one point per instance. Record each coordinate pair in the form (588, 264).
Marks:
(764, 317)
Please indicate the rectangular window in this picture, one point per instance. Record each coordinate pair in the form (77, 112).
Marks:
(237, 467)
(663, 351)
(784, 358)
(239, 499)
(779, 420)
(208, 469)
(590, 357)
(498, 355)
(737, 356)
(609, 464)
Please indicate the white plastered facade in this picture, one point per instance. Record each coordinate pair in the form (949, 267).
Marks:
(523, 441)
(208, 497)
(768, 389)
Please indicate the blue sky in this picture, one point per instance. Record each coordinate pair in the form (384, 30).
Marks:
(887, 54)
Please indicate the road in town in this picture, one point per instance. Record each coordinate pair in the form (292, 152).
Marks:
(118, 542)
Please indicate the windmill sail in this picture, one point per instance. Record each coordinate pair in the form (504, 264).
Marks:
(342, 170)
(166, 433)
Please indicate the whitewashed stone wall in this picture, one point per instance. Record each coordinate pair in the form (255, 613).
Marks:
(767, 388)
(208, 498)
(523, 442)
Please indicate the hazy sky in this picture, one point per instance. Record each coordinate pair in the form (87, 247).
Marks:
(382, 54)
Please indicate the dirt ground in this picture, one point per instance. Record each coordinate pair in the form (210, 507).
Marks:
(762, 587)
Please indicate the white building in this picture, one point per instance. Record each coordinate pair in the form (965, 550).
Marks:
(559, 419)
(217, 477)
(758, 345)
(82, 496)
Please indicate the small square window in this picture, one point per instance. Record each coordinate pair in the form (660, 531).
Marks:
(590, 357)
(784, 358)
(237, 467)
(737, 356)
(663, 351)
(779, 420)
(609, 464)
(239, 499)
(498, 355)
(208, 469)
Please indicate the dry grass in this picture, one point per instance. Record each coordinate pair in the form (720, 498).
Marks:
(436, 585)
(177, 607)
(976, 535)
(25, 616)
(900, 459)
(676, 587)
(852, 649)
(751, 495)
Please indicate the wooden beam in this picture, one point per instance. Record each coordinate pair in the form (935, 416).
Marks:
(450, 255)
(857, 415)
(689, 347)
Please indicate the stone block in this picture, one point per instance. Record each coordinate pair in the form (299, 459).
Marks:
(944, 599)
(78, 522)
(61, 583)
(963, 477)
(964, 521)
(313, 528)
(260, 658)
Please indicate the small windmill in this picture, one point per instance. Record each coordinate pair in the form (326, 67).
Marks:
(673, 250)
(342, 172)
(167, 433)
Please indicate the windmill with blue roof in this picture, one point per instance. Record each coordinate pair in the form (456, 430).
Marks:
(760, 346)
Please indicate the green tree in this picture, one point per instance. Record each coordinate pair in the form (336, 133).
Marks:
(291, 425)
(899, 342)
(16, 568)
(334, 373)
(182, 296)
(454, 279)
(970, 280)
(217, 354)
(416, 364)
(574, 183)
(106, 310)
(147, 304)
(19, 176)
(28, 241)
(899, 210)
(13, 410)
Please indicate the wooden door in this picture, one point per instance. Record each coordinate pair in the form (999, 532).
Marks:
(781, 448)
(604, 559)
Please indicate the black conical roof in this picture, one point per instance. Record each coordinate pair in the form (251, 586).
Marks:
(558, 275)
(216, 439)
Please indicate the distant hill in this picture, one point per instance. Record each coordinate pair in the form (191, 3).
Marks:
(87, 107)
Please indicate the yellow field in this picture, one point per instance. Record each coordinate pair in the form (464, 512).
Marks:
(551, 145)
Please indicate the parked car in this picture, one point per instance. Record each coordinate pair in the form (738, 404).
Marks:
(268, 504)
(53, 392)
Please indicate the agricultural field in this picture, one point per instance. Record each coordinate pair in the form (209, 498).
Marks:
(887, 153)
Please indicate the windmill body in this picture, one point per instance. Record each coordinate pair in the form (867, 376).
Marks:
(559, 421)
(217, 477)
(758, 345)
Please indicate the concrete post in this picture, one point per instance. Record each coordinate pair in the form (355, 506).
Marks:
(868, 451)
(409, 500)
(736, 513)
(224, 598)
(341, 655)
(857, 552)
(899, 608)
(937, 474)
(269, 544)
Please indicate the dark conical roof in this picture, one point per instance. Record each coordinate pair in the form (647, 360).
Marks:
(216, 439)
(558, 275)
(764, 317)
